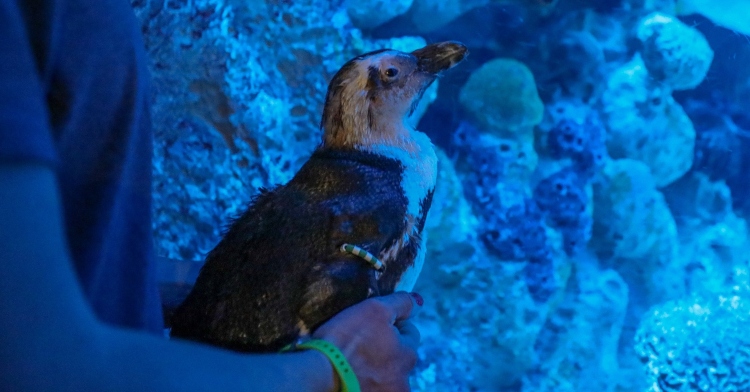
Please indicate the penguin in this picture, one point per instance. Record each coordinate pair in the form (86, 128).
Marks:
(346, 227)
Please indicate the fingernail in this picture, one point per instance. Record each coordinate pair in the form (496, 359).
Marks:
(418, 298)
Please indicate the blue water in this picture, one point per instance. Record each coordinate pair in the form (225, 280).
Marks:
(589, 227)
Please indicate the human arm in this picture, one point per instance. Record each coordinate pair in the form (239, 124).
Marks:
(49, 336)
(51, 339)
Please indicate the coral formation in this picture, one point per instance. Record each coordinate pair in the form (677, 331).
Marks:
(502, 99)
(723, 140)
(674, 53)
(697, 344)
(498, 152)
(511, 224)
(645, 123)
(367, 14)
(580, 141)
(429, 15)
(564, 198)
(634, 232)
(593, 307)
(450, 224)
(631, 217)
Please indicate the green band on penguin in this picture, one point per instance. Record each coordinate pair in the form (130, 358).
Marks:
(349, 382)
(367, 256)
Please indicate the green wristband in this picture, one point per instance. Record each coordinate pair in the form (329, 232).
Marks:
(349, 382)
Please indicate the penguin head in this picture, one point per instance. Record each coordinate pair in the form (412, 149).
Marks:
(372, 95)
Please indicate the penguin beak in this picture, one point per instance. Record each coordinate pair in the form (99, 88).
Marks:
(438, 57)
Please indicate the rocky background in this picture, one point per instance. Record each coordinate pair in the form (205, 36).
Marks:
(589, 230)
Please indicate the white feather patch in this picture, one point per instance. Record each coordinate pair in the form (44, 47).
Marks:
(420, 167)
(410, 276)
(419, 177)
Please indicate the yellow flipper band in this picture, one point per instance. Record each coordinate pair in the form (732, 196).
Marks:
(349, 382)
(367, 256)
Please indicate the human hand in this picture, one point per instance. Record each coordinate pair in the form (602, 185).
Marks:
(378, 340)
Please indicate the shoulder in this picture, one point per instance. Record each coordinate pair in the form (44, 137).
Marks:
(357, 159)
(339, 172)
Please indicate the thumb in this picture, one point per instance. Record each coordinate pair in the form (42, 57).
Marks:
(402, 305)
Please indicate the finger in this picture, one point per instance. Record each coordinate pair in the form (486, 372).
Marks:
(409, 345)
(400, 305)
(410, 335)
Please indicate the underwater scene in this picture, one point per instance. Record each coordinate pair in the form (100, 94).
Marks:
(588, 228)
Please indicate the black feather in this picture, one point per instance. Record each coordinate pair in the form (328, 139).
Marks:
(278, 260)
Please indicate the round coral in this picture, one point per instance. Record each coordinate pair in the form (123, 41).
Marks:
(501, 97)
(645, 123)
(631, 217)
(635, 233)
(674, 53)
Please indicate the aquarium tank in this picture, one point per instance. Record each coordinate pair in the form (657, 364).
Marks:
(589, 228)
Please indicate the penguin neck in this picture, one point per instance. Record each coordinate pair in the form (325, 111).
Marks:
(397, 135)
(372, 134)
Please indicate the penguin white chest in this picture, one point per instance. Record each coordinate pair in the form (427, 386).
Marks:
(420, 169)
(418, 180)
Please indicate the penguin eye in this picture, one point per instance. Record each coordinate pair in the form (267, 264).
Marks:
(391, 72)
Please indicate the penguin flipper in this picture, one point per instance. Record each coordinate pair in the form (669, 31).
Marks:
(333, 286)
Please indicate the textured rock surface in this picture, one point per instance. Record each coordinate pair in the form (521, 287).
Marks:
(645, 123)
(674, 53)
(635, 234)
(366, 14)
(430, 15)
(631, 217)
(578, 345)
(450, 220)
(697, 344)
